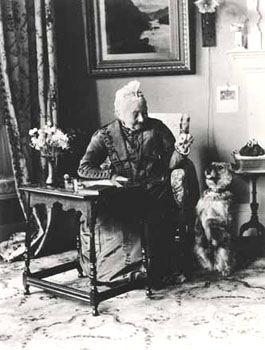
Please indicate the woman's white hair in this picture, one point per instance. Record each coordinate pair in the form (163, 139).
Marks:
(129, 92)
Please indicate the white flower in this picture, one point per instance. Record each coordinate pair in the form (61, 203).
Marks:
(49, 140)
(33, 131)
(207, 6)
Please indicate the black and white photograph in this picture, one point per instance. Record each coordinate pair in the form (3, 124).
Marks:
(132, 174)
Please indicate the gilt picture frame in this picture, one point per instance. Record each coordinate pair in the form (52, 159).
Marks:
(140, 37)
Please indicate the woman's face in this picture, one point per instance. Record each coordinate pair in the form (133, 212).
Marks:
(133, 113)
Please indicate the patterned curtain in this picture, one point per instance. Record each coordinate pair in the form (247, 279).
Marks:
(27, 77)
(5, 161)
(28, 83)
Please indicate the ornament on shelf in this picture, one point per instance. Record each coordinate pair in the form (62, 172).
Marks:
(255, 25)
(238, 30)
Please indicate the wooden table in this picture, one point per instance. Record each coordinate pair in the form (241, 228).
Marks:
(87, 204)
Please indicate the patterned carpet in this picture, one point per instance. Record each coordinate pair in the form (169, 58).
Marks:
(220, 314)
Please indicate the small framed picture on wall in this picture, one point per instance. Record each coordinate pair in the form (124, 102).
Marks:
(227, 99)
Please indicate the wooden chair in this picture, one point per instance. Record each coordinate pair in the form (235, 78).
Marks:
(185, 188)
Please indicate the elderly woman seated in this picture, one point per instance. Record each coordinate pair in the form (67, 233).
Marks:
(141, 152)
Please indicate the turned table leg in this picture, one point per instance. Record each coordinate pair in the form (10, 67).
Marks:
(254, 220)
(27, 254)
(144, 233)
(79, 247)
(93, 260)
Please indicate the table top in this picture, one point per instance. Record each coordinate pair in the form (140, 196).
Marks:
(249, 164)
(92, 191)
(249, 172)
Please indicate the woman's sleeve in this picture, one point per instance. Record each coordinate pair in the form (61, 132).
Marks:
(96, 153)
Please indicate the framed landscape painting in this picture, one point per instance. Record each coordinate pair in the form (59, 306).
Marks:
(140, 37)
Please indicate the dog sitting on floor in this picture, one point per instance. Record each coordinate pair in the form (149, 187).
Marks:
(213, 228)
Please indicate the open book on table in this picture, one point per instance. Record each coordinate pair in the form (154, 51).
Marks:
(97, 186)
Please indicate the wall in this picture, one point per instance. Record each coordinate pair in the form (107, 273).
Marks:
(195, 95)
(88, 102)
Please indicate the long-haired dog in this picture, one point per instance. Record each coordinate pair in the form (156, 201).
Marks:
(214, 224)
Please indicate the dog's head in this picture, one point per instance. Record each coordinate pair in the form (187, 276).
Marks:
(218, 176)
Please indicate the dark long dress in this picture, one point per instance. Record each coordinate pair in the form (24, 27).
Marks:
(143, 157)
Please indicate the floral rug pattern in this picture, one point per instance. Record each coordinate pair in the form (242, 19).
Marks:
(209, 313)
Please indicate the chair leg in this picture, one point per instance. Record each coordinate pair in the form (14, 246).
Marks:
(145, 257)
(186, 247)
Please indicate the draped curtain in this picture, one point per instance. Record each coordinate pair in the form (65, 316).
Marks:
(28, 78)
(28, 83)
(5, 161)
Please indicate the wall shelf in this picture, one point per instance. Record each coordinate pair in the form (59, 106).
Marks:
(249, 60)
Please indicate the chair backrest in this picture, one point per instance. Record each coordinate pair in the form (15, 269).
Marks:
(171, 120)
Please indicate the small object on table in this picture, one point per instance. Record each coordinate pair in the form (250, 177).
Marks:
(68, 184)
(252, 149)
(75, 185)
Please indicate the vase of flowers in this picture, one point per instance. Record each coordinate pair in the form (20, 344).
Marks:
(51, 142)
